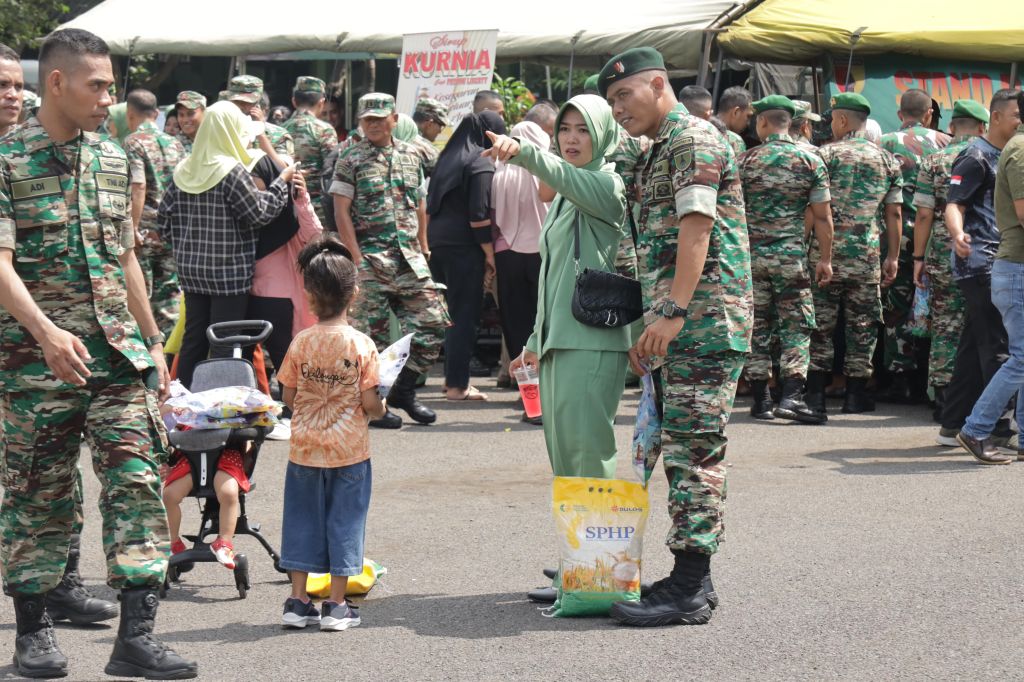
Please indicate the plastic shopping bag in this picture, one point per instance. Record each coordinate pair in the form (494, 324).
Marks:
(920, 314)
(647, 432)
(225, 407)
(600, 526)
(319, 584)
(392, 362)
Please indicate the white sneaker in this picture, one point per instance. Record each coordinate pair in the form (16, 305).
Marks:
(947, 438)
(283, 431)
(336, 617)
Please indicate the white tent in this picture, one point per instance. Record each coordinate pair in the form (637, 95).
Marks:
(526, 28)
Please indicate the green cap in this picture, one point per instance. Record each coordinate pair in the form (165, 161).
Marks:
(803, 110)
(245, 89)
(190, 99)
(851, 101)
(773, 102)
(590, 85)
(626, 64)
(968, 108)
(431, 107)
(376, 104)
(310, 84)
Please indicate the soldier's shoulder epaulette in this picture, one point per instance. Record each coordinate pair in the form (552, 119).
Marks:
(106, 147)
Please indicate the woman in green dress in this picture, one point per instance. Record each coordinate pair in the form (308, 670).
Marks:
(582, 369)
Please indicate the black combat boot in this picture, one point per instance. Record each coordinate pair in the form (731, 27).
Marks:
(763, 405)
(71, 601)
(814, 397)
(137, 653)
(403, 396)
(857, 399)
(792, 405)
(390, 420)
(679, 601)
(898, 391)
(35, 650)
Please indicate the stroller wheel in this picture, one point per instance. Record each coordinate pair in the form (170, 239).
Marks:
(242, 575)
(163, 589)
(173, 574)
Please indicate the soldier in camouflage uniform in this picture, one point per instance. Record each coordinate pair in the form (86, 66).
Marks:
(698, 317)
(913, 143)
(152, 158)
(781, 182)
(627, 158)
(73, 294)
(247, 94)
(734, 112)
(378, 197)
(933, 247)
(431, 117)
(314, 139)
(802, 127)
(190, 107)
(865, 181)
(407, 131)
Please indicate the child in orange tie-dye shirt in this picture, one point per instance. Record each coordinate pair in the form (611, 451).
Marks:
(329, 378)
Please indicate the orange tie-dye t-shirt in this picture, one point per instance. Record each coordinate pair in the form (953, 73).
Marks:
(330, 367)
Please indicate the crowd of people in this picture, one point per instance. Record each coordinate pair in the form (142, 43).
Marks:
(119, 248)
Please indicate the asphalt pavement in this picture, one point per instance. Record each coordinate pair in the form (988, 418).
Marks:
(855, 550)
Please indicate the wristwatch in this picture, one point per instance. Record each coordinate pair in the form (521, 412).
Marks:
(151, 341)
(670, 310)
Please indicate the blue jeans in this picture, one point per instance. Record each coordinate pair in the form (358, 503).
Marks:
(325, 518)
(1008, 297)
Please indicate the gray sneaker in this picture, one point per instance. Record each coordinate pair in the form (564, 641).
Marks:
(947, 438)
(336, 617)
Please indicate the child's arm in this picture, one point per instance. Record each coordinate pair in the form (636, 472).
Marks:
(288, 396)
(372, 404)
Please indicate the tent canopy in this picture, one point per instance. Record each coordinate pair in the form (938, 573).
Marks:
(797, 31)
(529, 29)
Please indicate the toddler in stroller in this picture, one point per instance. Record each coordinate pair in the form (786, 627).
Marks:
(230, 454)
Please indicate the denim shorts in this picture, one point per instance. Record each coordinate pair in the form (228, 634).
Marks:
(325, 518)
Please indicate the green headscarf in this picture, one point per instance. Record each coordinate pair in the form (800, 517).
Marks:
(406, 130)
(222, 143)
(116, 124)
(604, 131)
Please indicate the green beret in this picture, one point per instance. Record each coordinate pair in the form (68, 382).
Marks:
(968, 108)
(851, 101)
(590, 85)
(626, 64)
(772, 102)
(310, 84)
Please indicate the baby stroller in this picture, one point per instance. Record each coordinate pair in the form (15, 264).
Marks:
(203, 449)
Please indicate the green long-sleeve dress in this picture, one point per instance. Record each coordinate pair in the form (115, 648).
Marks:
(582, 368)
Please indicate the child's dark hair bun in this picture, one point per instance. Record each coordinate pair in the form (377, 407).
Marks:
(329, 274)
(328, 243)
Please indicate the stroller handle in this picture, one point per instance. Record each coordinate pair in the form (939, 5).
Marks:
(233, 333)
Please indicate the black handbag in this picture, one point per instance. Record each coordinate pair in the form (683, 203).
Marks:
(603, 299)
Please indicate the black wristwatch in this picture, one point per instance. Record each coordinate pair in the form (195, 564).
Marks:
(670, 310)
(151, 341)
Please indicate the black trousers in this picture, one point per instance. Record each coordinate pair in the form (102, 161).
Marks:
(278, 312)
(201, 311)
(461, 270)
(518, 282)
(979, 354)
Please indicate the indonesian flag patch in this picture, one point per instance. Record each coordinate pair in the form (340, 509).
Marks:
(956, 179)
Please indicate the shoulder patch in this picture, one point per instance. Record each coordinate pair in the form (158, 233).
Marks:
(35, 187)
(682, 153)
(114, 164)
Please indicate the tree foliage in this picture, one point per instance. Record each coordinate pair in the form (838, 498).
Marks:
(517, 98)
(24, 21)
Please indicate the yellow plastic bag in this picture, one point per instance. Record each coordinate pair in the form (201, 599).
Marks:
(600, 526)
(319, 584)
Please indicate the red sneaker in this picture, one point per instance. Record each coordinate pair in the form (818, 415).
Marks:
(177, 547)
(225, 552)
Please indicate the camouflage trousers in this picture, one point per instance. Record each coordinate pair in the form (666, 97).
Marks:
(161, 273)
(897, 303)
(863, 307)
(389, 285)
(783, 311)
(697, 395)
(625, 258)
(948, 311)
(41, 506)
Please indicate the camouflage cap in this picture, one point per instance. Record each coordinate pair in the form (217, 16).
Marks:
(310, 84)
(851, 101)
(376, 104)
(774, 102)
(30, 101)
(628, 63)
(190, 99)
(431, 107)
(968, 108)
(803, 110)
(245, 89)
(224, 96)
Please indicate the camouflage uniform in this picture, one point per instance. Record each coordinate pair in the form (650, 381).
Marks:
(152, 157)
(280, 139)
(427, 152)
(863, 178)
(946, 300)
(780, 180)
(627, 157)
(64, 213)
(249, 89)
(736, 142)
(185, 142)
(385, 186)
(189, 99)
(690, 169)
(911, 145)
(314, 141)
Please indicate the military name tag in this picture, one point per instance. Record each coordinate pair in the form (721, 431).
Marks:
(112, 182)
(663, 190)
(109, 163)
(368, 174)
(35, 187)
(660, 167)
